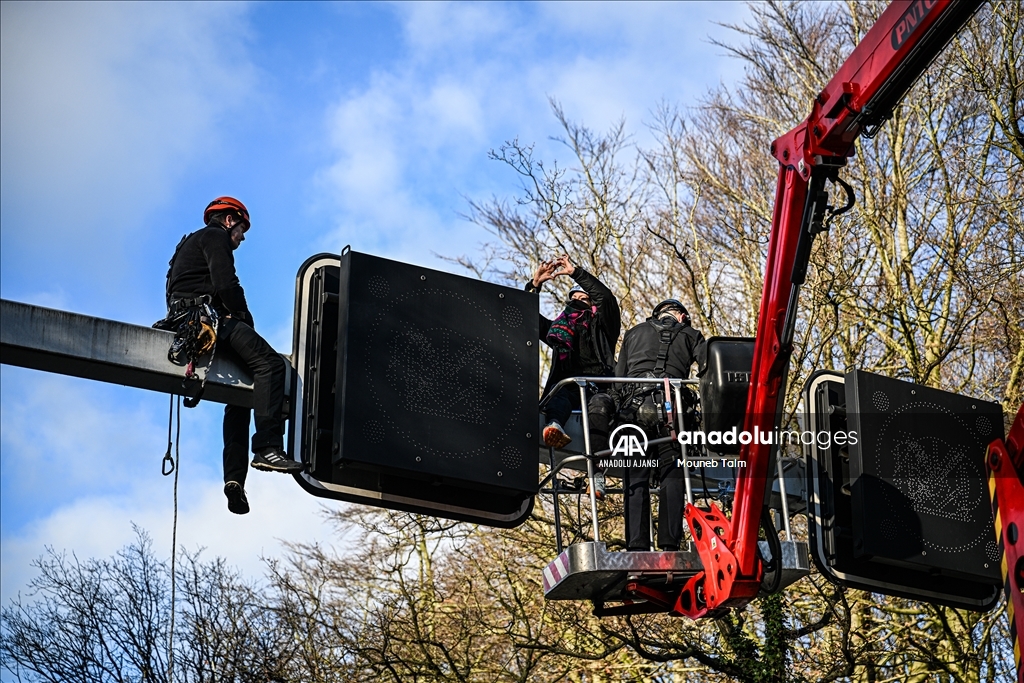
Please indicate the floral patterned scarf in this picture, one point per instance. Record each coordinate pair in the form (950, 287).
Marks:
(563, 335)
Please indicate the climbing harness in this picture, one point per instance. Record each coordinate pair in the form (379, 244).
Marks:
(651, 405)
(666, 337)
(670, 418)
(195, 338)
(194, 323)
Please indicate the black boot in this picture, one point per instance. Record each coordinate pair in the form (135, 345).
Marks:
(237, 501)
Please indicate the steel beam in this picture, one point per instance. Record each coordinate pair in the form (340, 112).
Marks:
(108, 351)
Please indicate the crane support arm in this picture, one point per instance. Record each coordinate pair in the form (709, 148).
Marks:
(1005, 463)
(871, 82)
(860, 97)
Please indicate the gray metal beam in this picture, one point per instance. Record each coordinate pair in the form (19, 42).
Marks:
(108, 351)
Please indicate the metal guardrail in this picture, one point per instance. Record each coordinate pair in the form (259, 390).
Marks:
(589, 456)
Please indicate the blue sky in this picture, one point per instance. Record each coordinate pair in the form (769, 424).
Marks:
(355, 123)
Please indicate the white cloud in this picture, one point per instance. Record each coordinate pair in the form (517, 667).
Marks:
(102, 105)
(360, 128)
(453, 112)
(635, 55)
(98, 526)
(442, 26)
(415, 139)
(389, 143)
(81, 464)
(71, 435)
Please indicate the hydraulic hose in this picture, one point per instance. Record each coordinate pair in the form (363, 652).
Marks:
(775, 547)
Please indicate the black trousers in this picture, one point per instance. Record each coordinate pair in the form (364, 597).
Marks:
(671, 503)
(567, 399)
(235, 338)
(604, 416)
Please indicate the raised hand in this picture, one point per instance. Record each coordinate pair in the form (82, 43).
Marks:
(545, 271)
(563, 266)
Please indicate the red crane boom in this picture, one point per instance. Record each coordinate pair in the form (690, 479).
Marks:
(860, 97)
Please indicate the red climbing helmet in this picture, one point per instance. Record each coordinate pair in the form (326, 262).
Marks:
(227, 204)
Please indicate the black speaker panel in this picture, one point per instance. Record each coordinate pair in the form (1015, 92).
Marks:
(919, 491)
(724, 387)
(868, 518)
(436, 377)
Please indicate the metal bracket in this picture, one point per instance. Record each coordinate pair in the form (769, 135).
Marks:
(714, 587)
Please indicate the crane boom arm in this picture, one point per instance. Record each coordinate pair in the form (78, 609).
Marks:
(903, 42)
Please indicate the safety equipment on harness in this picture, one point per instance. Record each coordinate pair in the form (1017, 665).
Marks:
(195, 324)
(670, 416)
(666, 336)
(227, 204)
(196, 337)
(661, 395)
(647, 404)
(647, 410)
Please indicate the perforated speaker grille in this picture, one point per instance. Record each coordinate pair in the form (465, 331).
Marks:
(919, 488)
(438, 374)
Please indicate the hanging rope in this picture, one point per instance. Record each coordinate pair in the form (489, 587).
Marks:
(168, 466)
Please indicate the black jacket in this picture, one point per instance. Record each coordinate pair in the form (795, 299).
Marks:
(594, 355)
(638, 356)
(205, 264)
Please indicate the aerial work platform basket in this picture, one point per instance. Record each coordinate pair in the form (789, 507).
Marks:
(632, 582)
(641, 580)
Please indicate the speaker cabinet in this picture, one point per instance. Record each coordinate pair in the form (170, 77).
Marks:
(919, 491)
(418, 389)
(897, 496)
(724, 387)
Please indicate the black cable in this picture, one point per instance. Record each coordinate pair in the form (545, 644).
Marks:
(775, 547)
(704, 485)
(851, 199)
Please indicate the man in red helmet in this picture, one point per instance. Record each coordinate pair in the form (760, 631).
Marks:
(203, 271)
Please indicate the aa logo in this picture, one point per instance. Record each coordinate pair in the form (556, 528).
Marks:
(628, 441)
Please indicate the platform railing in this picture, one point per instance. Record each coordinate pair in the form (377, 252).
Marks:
(589, 456)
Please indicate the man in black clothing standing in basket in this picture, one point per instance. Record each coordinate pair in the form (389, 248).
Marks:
(664, 345)
(203, 271)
